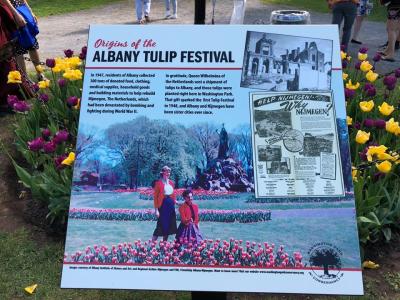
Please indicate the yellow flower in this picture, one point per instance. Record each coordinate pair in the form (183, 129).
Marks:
(384, 166)
(352, 86)
(343, 55)
(392, 126)
(367, 106)
(31, 289)
(371, 76)
(69, 160)
(14, 77)
(345, 76)
(39, 69)
(44, 84)
(385, 109)
(385, 156)
(373, 150)
(73, 75)
(362, 137)
(365, 66)
(354, 173)
(73, 62)
(370, 265)
(349, 120)
(362, 56)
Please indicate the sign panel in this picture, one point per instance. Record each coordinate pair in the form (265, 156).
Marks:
(210, 163)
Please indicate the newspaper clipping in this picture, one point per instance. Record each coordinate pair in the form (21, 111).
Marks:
(296, 145)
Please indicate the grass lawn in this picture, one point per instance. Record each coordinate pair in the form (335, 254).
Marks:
(23, 262)
(378, 12)
(43, 8)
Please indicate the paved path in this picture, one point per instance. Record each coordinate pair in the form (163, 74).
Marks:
(70, 30)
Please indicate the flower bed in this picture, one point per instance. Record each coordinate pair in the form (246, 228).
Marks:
(199, 194)
(207, 253)
(205, 215)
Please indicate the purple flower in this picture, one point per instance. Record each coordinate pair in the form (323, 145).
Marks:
(44, 98)
(35, 87)
(367, 86)
(58, 160)
(49, 147)
(51, 62)
(357, 65)
(391, 87)
(84, 50)
(11, 100)
(83, 53)
(344, 64)
(389, 80)
(397, 73)
(377, 57)
(21, 106)
(349, 93)
(68, 53)
(72, 101)
(61, 136)
(380, 124)
(357, 125)
(82, 56)
(371, 91)
(46, 133)
(363, 154)
(343, 47)
(363, 50)
(36, 144)
(62, 82)
(369, 123)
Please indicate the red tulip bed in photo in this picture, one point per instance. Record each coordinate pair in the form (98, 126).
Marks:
(147, 194)
(205, 215)
(232, 253)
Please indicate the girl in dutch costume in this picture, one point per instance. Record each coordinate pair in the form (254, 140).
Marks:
(188, 230)
(164, 204)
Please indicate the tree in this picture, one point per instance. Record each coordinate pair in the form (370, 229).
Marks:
(207, 137)
(326, 258)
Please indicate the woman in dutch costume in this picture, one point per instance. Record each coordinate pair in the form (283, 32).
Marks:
(188, 230)
(164, 204)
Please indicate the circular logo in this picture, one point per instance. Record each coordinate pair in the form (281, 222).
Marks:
(293, 140)
(325, 262)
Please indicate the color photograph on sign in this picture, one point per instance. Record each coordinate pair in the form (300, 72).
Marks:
(213, 165)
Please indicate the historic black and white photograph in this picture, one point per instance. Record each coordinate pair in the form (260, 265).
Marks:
(270, 123)
(315, 144)
(281, 166)
(269, 153)
(278, 62)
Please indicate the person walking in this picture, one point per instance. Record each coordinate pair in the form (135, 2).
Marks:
(24, 11)
(363, 10)
(392, 28)
(174, 9)
(143, 11)
(344, 10)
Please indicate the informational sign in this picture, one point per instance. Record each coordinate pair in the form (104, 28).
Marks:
(213, 158)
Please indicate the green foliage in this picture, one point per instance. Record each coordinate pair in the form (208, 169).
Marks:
(42, 171)
(43, 8)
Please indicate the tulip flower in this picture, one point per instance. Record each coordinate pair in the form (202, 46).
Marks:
(392, 126)
(61, 136)
(349, 121)
(384, 166)
(377, 57)
(369, 123)
(51, 62)
(73, 75)
(345, 76)
(366, 106)
(68, 53)
(365, 66)
(369, 265)
(354, 174)
(44, 84)
(44, 98)
(46, 133)
(11, 100)
(343, 55)
(21, 106)
(352, 86)
(374, 150)
(39, 69)
(62, 82)
(357, 65)
(36, 144)
(362, 56)
(380, 124)
(49, 147)
(69, 160)
(386, 109)
(349, 93)
(14, 77)
(363, 50)
(371, 92)
(72, 101)
(389, 80)
(371, 76)
(362, 137)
